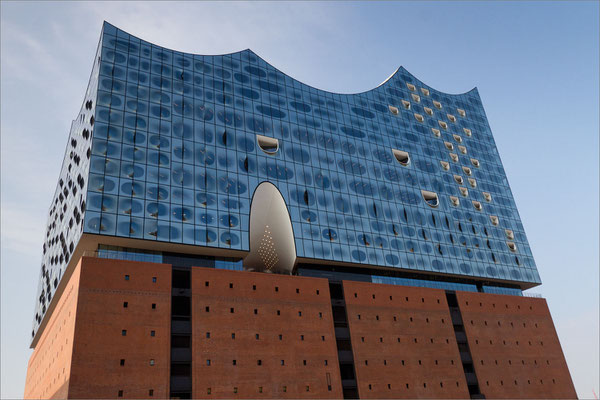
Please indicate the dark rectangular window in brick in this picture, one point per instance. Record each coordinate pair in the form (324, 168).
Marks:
(120, 393)
(152, 333)
(122, 363)
(153, 281)
(125, 304)
(124, 332)
(126, 278)
(151, 392)
(154, 306)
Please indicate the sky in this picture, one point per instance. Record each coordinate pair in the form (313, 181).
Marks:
(536, 65)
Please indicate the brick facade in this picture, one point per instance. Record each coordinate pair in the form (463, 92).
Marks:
(257, 335)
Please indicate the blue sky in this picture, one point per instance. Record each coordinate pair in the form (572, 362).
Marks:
(535, 64)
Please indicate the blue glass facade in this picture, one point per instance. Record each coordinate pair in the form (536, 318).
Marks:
(401, 176)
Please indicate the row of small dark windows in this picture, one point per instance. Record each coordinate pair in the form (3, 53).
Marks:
(260, 389)
(510, 362)
(505, 343)
(389, 385)
(403, 362)
(512, 325)
(359, 317)
(487, 383)
(505, 305)
(257, 336)
(154, 279)
(231, 286)
(259, 362)
(124, 332)
(152, 362)
(126, 305)
(232, 311)
(392, 298)
(415, 340)
(395, 318)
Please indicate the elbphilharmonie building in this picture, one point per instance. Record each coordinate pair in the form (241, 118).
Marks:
(220, 230)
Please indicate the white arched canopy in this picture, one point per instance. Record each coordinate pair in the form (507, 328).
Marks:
(272, 246)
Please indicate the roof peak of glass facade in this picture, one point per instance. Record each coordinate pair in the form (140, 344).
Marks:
(107, 26)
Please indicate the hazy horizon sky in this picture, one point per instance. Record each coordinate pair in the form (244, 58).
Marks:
(535, 64)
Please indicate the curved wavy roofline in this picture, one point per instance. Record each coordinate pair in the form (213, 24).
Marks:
(400, 68)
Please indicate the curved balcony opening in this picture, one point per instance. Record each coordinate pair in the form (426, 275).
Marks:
(454, 157)
(494, 220)
(449, 145)
(445, 165)
(451, 117)
(406, 104)
(464, 191)
(431, 198)
(394, 110)
(459, 179)
(454, 201)
(461, 112)
(419, 118)
(467, 170)
(436, 132)
(472, 182)
(411, 87)
(475, 162)
(512, 246)
(443, 124)
(428, 110)
(416, 97)
(477, 205)
(487, 196)
(467, 132)
(402, 157)
(510, 235)
(425, 91)
(462, 149)
(437, 105)
(457, 138)
(267, 144)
